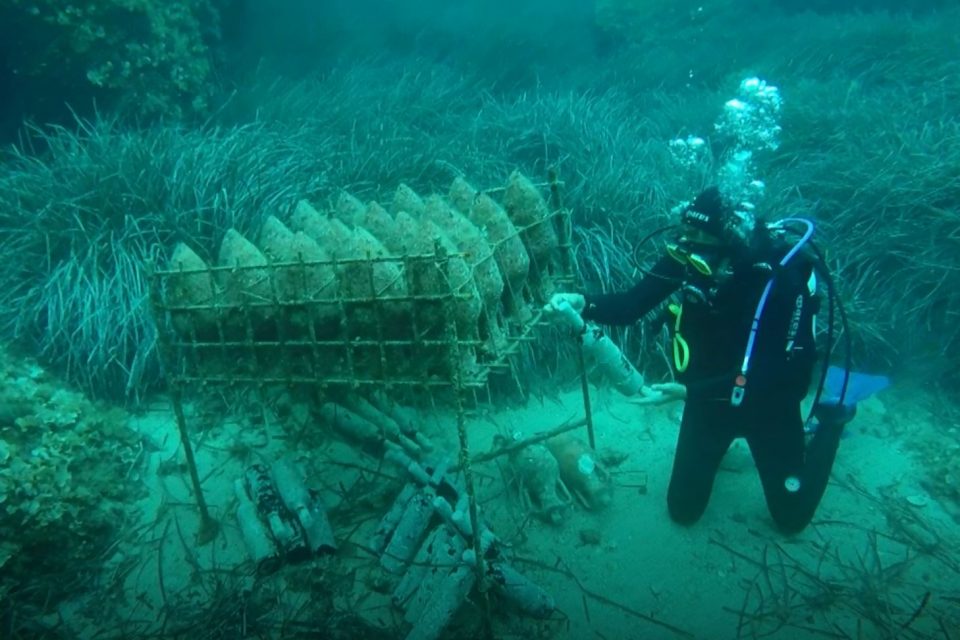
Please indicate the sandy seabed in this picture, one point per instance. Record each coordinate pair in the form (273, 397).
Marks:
(879, 561)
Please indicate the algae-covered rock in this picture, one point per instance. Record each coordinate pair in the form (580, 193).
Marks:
(299, 265)
(406, 199)
(447, 282)
(529, 212)
(508, 248)
(381, 224)
(366, 272)
(424, 278)
(70, 479)
(458, 278)
(191, 284)
(319, 280)
(349, 209)
(472, 243)
(330, 233)
(247, 281)
(374, 289)
(151, 58)
(449, 274)
(462, 194)
(275, 242)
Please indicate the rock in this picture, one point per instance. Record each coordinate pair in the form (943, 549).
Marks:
(918, 500)
(590, 537)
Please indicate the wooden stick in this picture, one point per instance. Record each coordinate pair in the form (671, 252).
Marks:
(561, 567)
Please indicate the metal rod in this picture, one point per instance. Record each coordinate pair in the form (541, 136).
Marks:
(426, 258)
(456, 368)
(208, 526)
(585, 386)
(526, 442)
(207, 380)
(468, 484)
(565, 230)
(569, 260)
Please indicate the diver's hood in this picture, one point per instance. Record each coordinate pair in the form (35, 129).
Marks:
(712, 214)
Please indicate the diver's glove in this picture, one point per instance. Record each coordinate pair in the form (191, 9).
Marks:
(576, 301)
(657, 394)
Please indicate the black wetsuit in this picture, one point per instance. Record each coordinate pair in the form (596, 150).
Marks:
(715, 323)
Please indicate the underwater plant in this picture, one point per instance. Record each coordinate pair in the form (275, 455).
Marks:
(66, 471)
(147, 58)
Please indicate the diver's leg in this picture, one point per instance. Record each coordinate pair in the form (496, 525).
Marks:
(704, 437)
(793, 480)
(821, 454)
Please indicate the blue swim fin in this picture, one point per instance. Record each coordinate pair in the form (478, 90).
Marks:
(860, 386)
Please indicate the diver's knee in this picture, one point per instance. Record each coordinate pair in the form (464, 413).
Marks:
(684, 510)
(791, 522)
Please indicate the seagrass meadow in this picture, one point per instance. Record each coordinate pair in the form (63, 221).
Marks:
(271, 337)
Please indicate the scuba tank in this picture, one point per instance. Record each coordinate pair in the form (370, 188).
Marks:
(836, 409)
(602, 351)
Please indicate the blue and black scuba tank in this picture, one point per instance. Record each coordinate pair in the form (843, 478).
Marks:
(835, 407)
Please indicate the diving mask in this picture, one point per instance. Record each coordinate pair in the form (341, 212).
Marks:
(682, 253)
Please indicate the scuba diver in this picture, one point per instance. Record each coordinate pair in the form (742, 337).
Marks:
(744, 351)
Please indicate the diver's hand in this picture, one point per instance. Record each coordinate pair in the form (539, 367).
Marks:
(657, 394)
(576, 301)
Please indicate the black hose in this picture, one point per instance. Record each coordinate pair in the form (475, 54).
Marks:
(834, 299)
(824, 368)
(644, 240)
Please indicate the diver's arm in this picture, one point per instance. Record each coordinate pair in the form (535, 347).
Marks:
(626, 307)
(661, 393)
